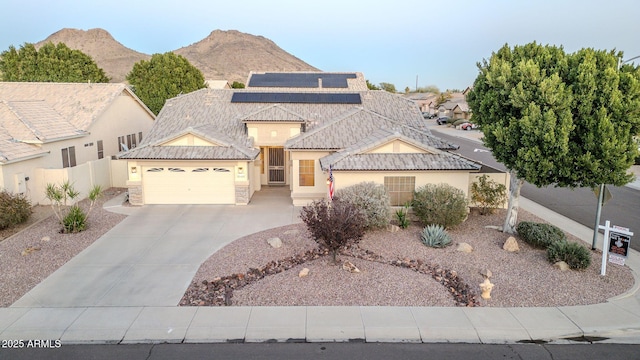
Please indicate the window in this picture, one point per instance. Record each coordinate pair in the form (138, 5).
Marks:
(128, 142)
(139, 137)
(307, 173)
(400, 189)
(100, 150)
(69, 157)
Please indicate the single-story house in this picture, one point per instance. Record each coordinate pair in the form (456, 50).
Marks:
(220, 146)
(456, 108)
(63, 125)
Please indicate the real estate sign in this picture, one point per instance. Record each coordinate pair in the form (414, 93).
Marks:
(616, 241)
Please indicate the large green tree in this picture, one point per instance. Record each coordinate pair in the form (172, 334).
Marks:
(560, 119)
(51, 63)
(162, 77)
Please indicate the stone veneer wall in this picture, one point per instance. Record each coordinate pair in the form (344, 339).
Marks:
(242, 194)
(135, 194)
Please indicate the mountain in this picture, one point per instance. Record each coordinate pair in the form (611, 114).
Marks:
(223, 55)
(231, 55)
(113, 57)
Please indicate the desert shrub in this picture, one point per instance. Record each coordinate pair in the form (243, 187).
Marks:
(402, 215)
(14, 209)
(333, 224)
(435, 236)
(371, 199)
(540, 235)
(72, 219)
(488, 194)
(440, 204)
(575, 255)
(75, 220)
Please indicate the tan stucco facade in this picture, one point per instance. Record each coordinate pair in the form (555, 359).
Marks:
(272, 134)
(302, 195)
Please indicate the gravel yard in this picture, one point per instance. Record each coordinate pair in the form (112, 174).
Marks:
(38, 249)
(524, 278)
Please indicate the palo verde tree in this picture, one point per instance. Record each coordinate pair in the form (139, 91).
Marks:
(51, 63)
(162, 77)
(559, 119)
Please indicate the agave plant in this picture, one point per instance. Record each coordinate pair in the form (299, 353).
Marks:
(435, 236)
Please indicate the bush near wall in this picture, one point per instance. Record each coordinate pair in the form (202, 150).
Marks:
(14, 209)
(440, 204)
(372, 200)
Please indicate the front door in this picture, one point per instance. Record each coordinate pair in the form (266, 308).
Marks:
(276, 165)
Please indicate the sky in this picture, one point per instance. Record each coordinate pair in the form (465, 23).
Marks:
(402, 42)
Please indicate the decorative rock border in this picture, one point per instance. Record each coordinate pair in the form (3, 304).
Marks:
(219, 291)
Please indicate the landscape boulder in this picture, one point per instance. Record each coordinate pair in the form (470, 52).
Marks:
(348, 266)
(464, 247)
(563, 266)
(511, 245)
(304, 272)
(275, 242)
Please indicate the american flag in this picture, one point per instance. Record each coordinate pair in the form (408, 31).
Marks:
(331, 183)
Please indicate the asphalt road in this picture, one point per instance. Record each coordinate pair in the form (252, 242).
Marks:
(577, 204)
(351, 351)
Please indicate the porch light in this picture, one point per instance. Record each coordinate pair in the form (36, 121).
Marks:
(134, 169)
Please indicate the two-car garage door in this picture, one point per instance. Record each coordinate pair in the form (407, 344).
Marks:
(188, 185)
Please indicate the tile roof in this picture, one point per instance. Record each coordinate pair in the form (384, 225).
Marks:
(189, 153)
(79, 103)
(381, 117)
(32, 113)
(37, 121)
(357, 125)
(226, 149)
(401, 162)
(355, 157)
(11, 150)
(273, 113)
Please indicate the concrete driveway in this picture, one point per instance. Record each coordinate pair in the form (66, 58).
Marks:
(150, 258)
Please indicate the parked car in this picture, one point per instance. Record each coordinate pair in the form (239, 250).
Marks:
(426, 115)
(443, 120)
(468, 126)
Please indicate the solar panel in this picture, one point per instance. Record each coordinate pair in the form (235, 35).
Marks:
(300, 80)
(296, 98)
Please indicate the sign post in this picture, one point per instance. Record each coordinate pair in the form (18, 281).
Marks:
(616, 243)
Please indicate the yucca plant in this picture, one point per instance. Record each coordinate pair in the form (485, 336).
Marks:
(435, 236)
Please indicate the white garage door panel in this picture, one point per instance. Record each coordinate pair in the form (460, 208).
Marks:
(188, 185)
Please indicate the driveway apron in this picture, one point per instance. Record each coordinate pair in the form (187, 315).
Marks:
(150, 258)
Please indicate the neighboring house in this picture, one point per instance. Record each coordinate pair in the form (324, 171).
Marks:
(63, 125)
(425, 101)
(456, 107)
(220, 146)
